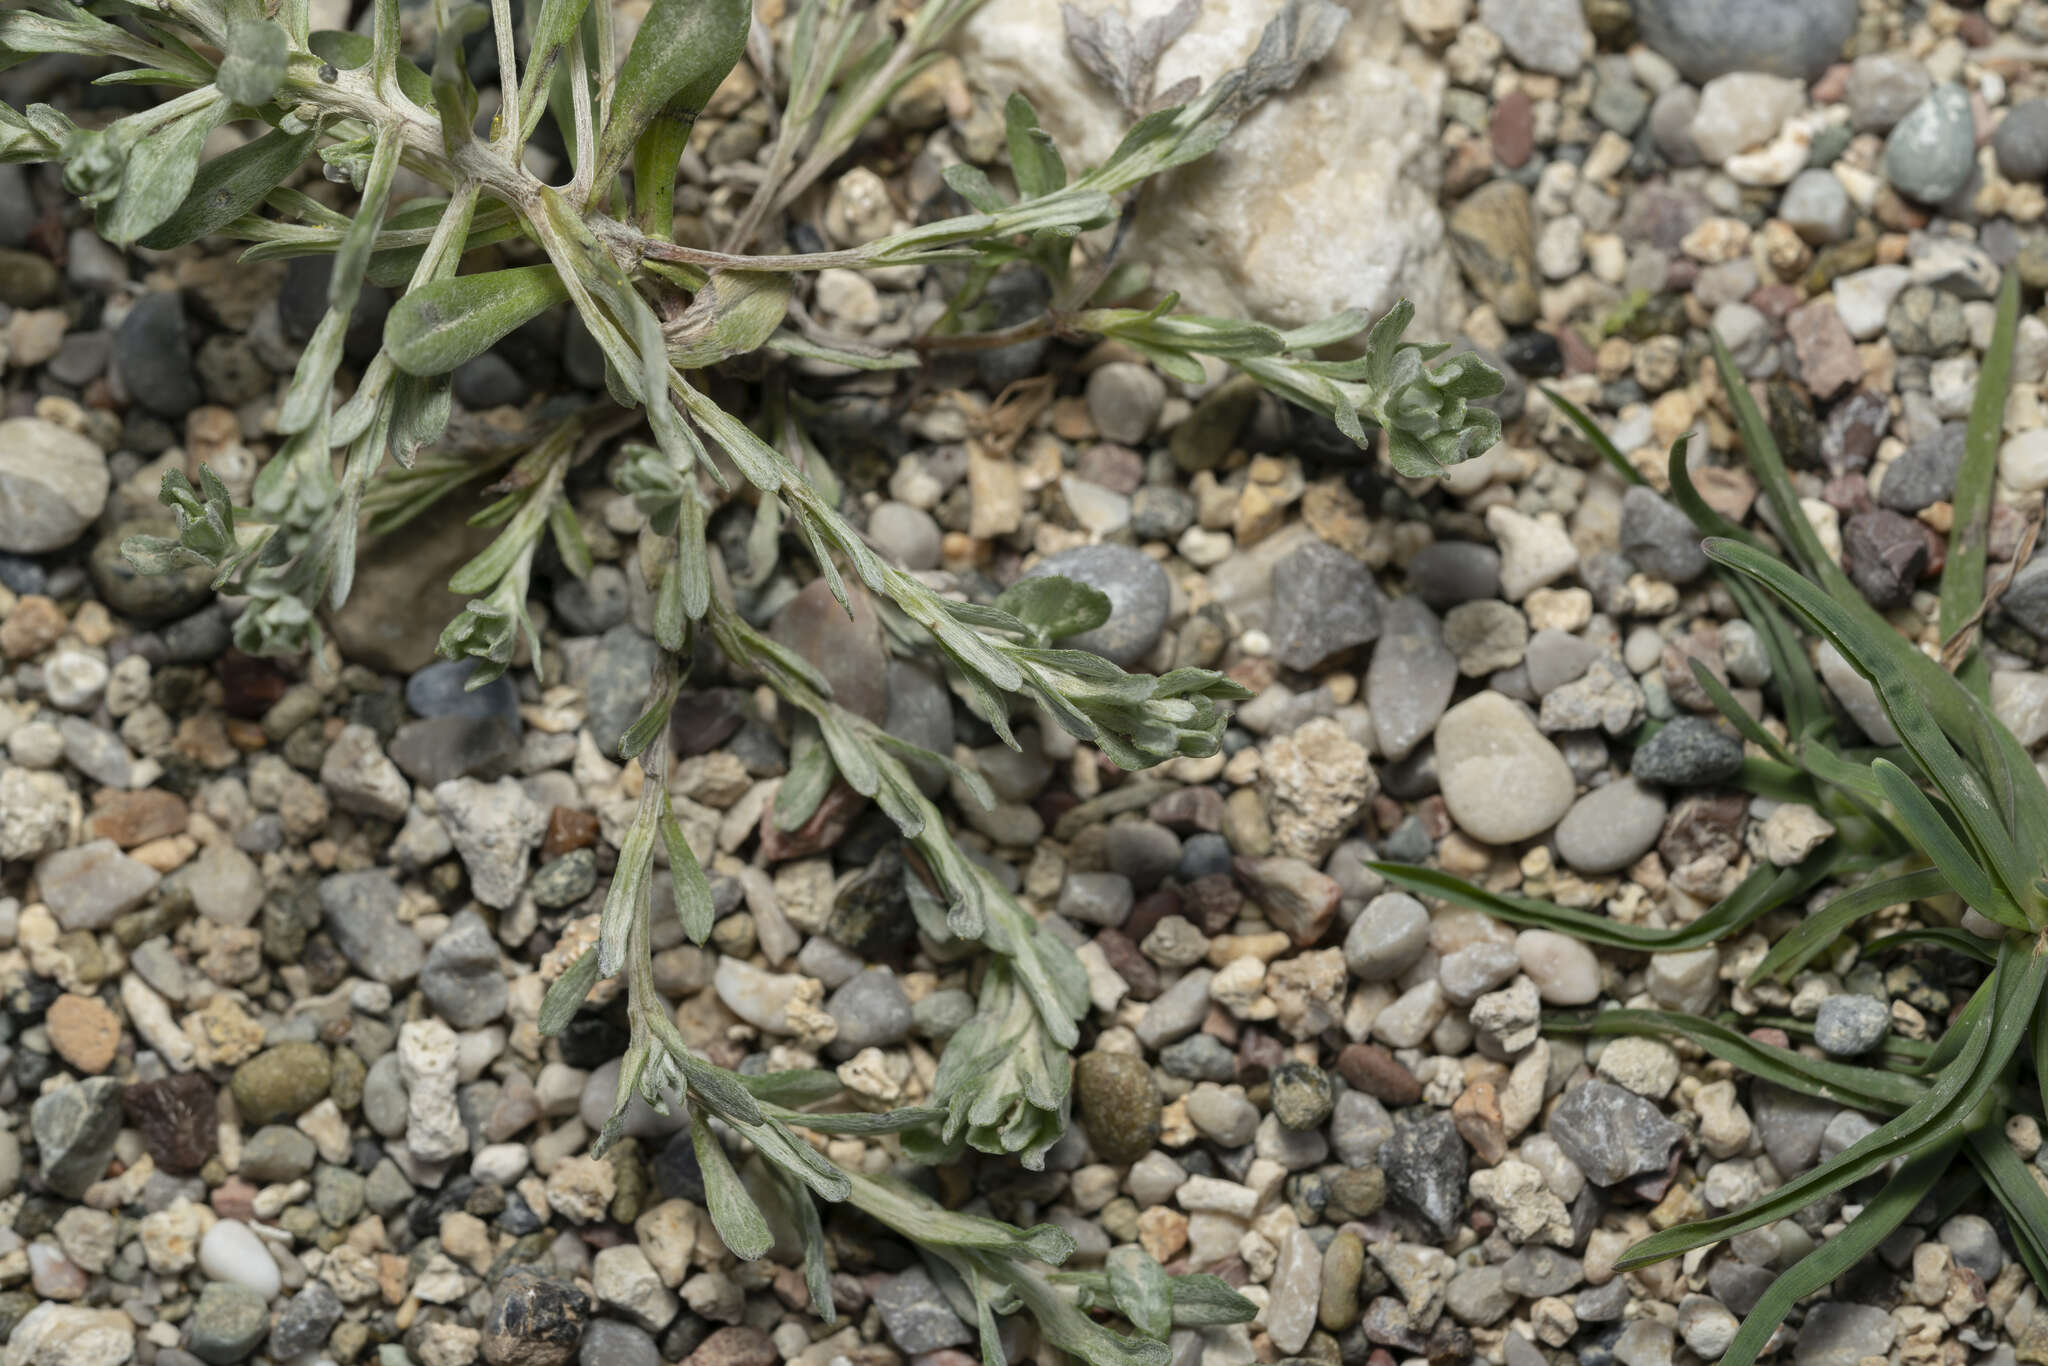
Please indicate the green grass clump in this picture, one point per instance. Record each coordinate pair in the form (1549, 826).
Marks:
(1954, 813)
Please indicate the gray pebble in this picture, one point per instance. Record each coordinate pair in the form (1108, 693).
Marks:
(1850, 1024)
(1610, 827)
(1929, 155)
(1140, 597)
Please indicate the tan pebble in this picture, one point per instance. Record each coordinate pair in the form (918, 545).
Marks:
(84, 1032)
(167, 854)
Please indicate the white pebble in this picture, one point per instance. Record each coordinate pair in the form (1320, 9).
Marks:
(231, 1252)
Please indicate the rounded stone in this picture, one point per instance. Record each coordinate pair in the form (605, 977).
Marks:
(53, 483)
(1689, 752)
(1502, 780)
(279, 1083)
(1387, 937)
(906, 534)
(1301, 1095)
(1610, 827)
(1708, 38)
(1851, 1024)
(1119, 1105)
(2021, 142)
(227, 1323)
(1140, 597)
(1929, 154)
(1564, 970)
(146, 597)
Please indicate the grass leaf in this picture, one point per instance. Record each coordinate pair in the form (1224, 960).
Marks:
(1885, 1212)
(1840, 1082)
(1962, 575)
(1988, 1033)
(1602, 445)
(1763, 891)
(1811, 936)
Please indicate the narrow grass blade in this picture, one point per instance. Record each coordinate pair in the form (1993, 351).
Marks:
(1955, 941)
(1811, 936)
(1799, 691)
(1837, 1254)
(1595, 438)
(1763, 891)
(1750, 728)
(1926, 706)
(1683, 493)
(2021, 1196)
(1769, 464)
(1930, 829)
(1840, 1082)
(1962, 575)
(2020, 795)
(1991, 1033)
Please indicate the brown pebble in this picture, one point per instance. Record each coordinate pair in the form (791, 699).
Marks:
(735, 1346)
(568, 830)
(132, 818)
(233, 1198)
(1476, 1112)
(35, 624)
(84, 1032)
(1370, 1068)
(1513, 129)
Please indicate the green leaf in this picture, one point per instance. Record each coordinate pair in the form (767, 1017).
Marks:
(694, 909)
(629, 887)
(1843, 1083)
(1987, 1034)
(682, 52)
(1595, 437)
(1962, 575)
(455, 98)
(159, 172)
(254, 66)
(1055, 607)
(1142, 1291)
(353, 253)
(811, 1233)
(1811, 937)
(734, 314)
(1764, 890)
(972, 184)
(419, 414)
(794, 1087)
(568, 993)
(435, 328)
(1838, 1253)
(2026, 1205)
(1033, 158)
(641, 733)
(1999, 798)
(1933, 834)
(734, 1214)
(861, 1122)
(229, 186)
(809, 778)
(1208, 1301)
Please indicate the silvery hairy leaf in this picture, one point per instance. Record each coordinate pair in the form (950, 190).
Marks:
(732, 315)
(159, 166)
(254, 66)
(435, 328)
(231, 185)
(683, 50)
(1055, 607)
(1124, 61)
